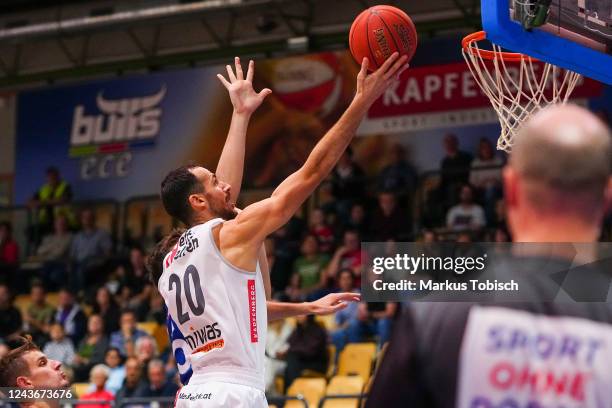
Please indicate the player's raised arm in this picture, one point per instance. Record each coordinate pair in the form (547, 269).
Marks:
(245, 101)
(264, 217)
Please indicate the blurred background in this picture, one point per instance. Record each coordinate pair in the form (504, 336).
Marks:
(99, 99)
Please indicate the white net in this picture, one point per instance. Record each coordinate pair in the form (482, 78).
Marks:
(517, 85)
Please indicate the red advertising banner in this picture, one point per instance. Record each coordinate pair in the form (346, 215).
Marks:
(448, 87)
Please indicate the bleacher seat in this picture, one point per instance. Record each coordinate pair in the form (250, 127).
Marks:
(161, 337)
(357, 359)
(343, 385)
(148, 327)
(327, 321)
(80, 388)
(331, 365)
(312, 389)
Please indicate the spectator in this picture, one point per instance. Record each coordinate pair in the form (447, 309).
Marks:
(310, 264)
(390, 222)
(60, 347)
(428, 236)
(455, 169)
(485, 179)
(145, 350)
(53, 252)
(138, 282)
(293, 291)
(133, 385)
(39, 314)
(89, 248)
(286, 249)
(466, 214)
(499, 218)
(10, 317)
(70, 316)
(92, 348)
(125, 338)
(358, 221)
(116, 375)
(9, 255)
(98, 377)
(348, 184)
(349, 255)
(276, 345)
(320, 229)
(156, 312)
(307, 349)
(107, 308)
(345, 281)
(51, 200)
(370, 319)
(398, 176)
(158, 385)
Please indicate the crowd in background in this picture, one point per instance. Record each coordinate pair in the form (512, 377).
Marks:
(104, 290)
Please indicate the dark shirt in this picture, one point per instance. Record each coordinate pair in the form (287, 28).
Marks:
(74, 321)
(456, 170)
(351, 186)
(168, 389)
(395, 226)
(10, 321)
(309, 341)
(137, 391)
(400, 177)
(110, 317)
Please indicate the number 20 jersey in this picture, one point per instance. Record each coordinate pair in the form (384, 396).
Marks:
(217, 317)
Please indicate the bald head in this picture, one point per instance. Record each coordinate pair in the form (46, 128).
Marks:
(563, 152)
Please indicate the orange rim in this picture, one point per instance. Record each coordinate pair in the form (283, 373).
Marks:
(490, 55)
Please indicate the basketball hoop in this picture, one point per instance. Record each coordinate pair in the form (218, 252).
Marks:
(517, 85)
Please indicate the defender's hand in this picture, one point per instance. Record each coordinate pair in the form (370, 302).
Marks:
(371, 87)
(243, 96)
(332, 303)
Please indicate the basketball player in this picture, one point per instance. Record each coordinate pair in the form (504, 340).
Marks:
(211, 280)
(26, 367)
(532, 354)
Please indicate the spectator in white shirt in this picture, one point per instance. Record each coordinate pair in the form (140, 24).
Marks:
(466, 215)
(60, 347)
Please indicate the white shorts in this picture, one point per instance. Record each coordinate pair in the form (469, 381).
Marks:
(214, 394)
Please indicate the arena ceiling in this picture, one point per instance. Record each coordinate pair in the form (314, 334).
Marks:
(46, 41)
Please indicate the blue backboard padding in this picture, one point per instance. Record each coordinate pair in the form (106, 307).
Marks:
(510, 35)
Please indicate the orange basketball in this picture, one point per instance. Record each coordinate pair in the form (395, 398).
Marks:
(380, 31)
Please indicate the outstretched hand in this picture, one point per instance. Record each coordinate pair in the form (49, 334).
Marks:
(333, 302)
(371, 87)
(243, 96)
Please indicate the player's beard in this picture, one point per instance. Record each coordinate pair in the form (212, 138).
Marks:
(224, 210)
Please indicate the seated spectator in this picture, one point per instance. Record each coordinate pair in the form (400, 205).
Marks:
(345, 284)
(156, 311)
(370, 319)
(286, 249)
(454, 169)
(158, 385)
(293, 291)
(145, 350)
(307, 349)
(98, 377)
(138, 282)
(134, 386)
(320, 229)
(89, 248)
(39, 314)
(52, 200)
(349, 255)
(389, 220)
(398, 176)
(60, 347)
(125, 338)
(92, 348)
(358, 221)
(310, 264)
(348, 184)
(70, 316)
(116, 376)
(276, 345)
(10, 317)
(54, 252)
(9, 256)
(107, 308)
(466, 214)
(486, 175)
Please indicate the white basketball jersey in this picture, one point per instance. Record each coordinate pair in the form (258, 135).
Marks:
(217, 317)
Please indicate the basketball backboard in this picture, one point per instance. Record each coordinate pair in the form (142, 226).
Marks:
(572, 34)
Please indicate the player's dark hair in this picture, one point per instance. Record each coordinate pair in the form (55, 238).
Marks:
(13, 365)
(156, 257)
(175, 190)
